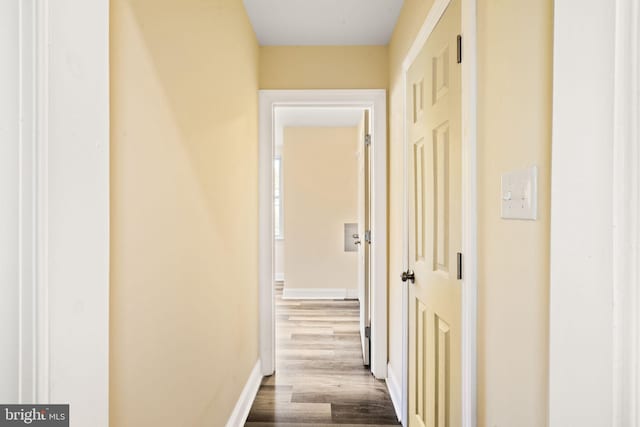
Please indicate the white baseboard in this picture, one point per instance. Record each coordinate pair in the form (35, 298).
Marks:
(319, 293)
(279, 277)
(243, 405)
(395, 391)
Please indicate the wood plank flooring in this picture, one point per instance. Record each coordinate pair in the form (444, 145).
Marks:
(320, 380)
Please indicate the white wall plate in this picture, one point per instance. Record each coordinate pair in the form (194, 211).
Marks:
(519, 194)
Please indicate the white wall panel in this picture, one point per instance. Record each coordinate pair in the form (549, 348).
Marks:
(581, 290)
(9, 202)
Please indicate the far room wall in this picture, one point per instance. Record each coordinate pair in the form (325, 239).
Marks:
(319, 166)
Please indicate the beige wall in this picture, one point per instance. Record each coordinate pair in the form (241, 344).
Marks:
(514, 112)
(320, 195)
(184, 211)
(514, 131)
(323, 67)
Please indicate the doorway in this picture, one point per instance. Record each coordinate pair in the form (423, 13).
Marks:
(321, 208)
(323, 330)
(375, 102)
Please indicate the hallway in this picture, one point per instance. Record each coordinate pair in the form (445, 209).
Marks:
(320, 379)
(469, 170)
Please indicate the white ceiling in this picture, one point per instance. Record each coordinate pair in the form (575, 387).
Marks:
(323, 22)
(315, 116)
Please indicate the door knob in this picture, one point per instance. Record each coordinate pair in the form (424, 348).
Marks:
(408, 275)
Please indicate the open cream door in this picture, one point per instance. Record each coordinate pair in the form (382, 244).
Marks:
(434, 124)
(364, 234)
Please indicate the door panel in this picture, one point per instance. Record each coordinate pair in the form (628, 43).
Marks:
(364, 224)
(419, 196)
(434, 98)
(441, 173)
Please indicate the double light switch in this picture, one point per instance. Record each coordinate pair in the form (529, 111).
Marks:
(520, 194)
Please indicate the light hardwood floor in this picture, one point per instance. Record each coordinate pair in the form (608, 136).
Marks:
(320, 379)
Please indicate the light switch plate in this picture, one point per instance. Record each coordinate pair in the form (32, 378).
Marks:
(519, 195)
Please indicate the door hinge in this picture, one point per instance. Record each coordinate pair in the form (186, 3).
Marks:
(367, 236)
(367, 139)
(459, 49)
(367, 331)
(459, 276)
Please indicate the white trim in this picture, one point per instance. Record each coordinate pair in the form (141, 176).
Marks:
(73, 207)
(395, 392)
(243, 405)
(280, 236)
(375, 100)
(279, 277)
(27, 282)
(63, 249)
(469, 205)
(469, 213)
(42, 202)
(583, 387)
(319, 293)
(265, 236)
(33, 370)
(626, 216)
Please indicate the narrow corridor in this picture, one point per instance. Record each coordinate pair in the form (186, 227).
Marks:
(320, 379)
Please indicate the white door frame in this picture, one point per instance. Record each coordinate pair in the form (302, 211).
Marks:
(626, 216)
(64, 207)
(469, 205)
(375, 100)
(594, 329)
